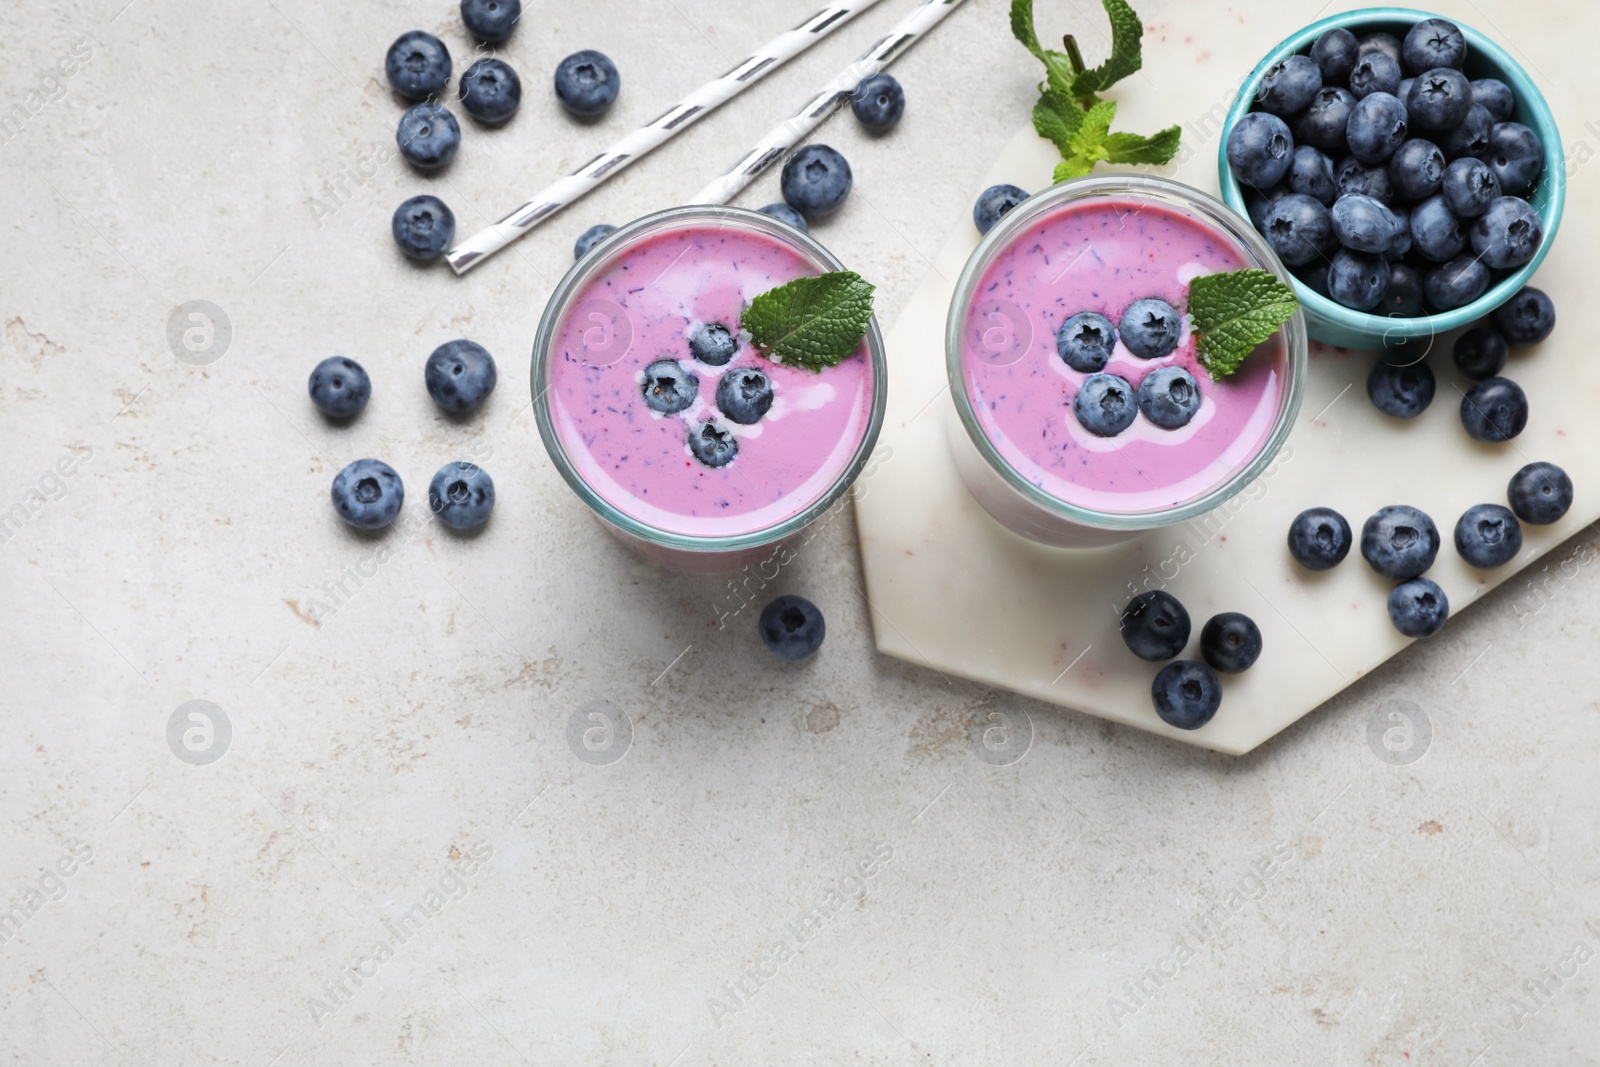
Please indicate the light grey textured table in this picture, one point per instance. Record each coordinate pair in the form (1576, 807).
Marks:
(400, 856)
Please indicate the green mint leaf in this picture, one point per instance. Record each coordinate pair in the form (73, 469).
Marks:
(1073, 167)
(1235, 311)
(811, 322)
(1058, 67)
(1126, 52)
(1131, 148)
(1090, 140)
(1022, 26)
(1055, 125)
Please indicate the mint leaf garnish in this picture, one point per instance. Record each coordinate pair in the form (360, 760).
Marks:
(811, 322)
(1235, 311)
(1127, 55)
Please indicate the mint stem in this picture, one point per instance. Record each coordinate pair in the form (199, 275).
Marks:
(1074, 56)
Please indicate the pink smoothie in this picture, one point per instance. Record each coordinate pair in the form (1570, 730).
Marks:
(643, 306)
(1102, 256)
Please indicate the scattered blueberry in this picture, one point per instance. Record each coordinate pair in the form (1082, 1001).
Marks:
(1288, 85)
(1298, 227)
(1487, 536)
(1374, 72)
(1516, 156)
(1480, 353)
(1260, 149)
(878, 102)
(1494, 410)
(460, 375)
(368, 494)
(1400, 392)
(1469, 137)
(1335, 54)
(713, 344)
(744, 394)
(1439, 99)
(1169, 397)
(1540, 493)
(428, 136)
(1377, 127)
(1404, 295)
(1433, 43)
(1495, 96)
(1085, 341)
(712, 444)
(1354, 176)
(1155, 626)
(1387, 43)
(1416, 169)
(1418, 608)
(816, 181)
(462, 495)
(993, 203)
(1319, 539)
(1469, 188)
(1363, 224)
(1399, 542)
(785, 213)
(1311, 174)
(1508, 234)
(418, 65)
(491, 91)
(1456, 283)
(669, 387)
(1358, 280)
(1230, 642)
(1322, 124)
(587, 83)
(1150, 327)
(340, 387)
(423, 227)
(1435, 231)
(792, 627)
(1186, 694)
(591, 237)
(1527, 318)
(1105, 404)
(491, 20)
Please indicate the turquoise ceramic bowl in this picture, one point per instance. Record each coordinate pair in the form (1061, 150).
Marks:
(1335, 324)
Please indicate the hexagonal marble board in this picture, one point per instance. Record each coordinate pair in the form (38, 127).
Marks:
(951, 589)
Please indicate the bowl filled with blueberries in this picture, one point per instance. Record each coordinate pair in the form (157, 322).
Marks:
(1403, 166)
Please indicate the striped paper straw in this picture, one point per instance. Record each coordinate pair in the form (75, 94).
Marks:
(794, 129)
(678, 117)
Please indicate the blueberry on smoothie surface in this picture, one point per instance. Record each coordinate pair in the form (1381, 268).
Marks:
(491, 91)
(711, 444)
(792, 627)
(1150, 328)
(1105, 404)
(460, 375)
(423, 227)
(994, 203)
(340, 387)
(368, 494)
(744, 394)
(587, 83)
(1085, 341)
(1186, 694)
(1540, 493)
(417, 65)
(816, 181)
(1155, 626)
(461, 495)
(1169, 397)
(669, 387)
(713, 344)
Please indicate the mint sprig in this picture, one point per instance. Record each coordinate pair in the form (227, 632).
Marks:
(1071, 115)
(811, 322)
(1235, 311)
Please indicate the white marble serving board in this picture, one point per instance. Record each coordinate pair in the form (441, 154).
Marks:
(951, 589)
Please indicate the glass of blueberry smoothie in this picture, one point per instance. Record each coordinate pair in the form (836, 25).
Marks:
(690, 444)
(1082, 413)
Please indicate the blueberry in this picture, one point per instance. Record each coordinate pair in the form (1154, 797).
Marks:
(1434, 43)
(1085, 341)
(460, 375)
(1260, 149)
(340, 387)
(1508, 234)
(1155, 626)
(1456, 283)
(418, 65)
(428, 136)
(1151, 326)
(1480, 353)
(1404, 92)
(1354, 176)
(1469, 137)
(462, 495)
(1495, 96)
(1335, 54)
(1540, 493)
(1105, 405)
(1399, 542)
(713, 344)
(1416, 169)
(1487, 536)
(993, 203)
(1298, 228)
(591, 237)
(1376, 128)
(744, 394)
(1362, 224)
(1527, 318)
(1400, 247)
(1494, 410)
(1358, 280)
(711, 444)
(792, 627)
(1257, 202)
(1288, 85)
(491, 91)
(1436, 233)
(1315, 276)
(669, 387)
(1322, 124)
(1311, 174)
(1418, 608)
(1169, 397)
(1319, 539)
(1230, 642)
(878, 102)
(1439, 99)
(1516, 156)
(491, 20)
(1186, 694)
(1403, 298)
(1374, 72)
(368, 494)
(423, 227)
(1400, 392)
(816, 181)
(1387, 43)
(785, 213)
(587, 83)
(1469, 188)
